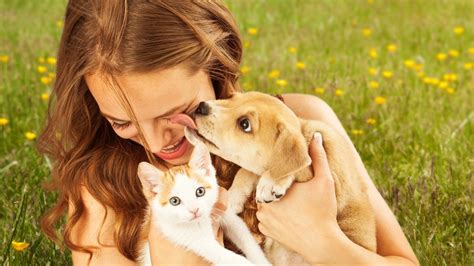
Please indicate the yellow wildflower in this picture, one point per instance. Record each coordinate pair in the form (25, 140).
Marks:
(371, 121)
(273, 74)
(443, 85)
(450, 77)
(373, 71)
(281, 82)
(244, 70)
(45, 96)
(435, 81)
(42, 69)
(4, 58)
(19, 246)
(246, 44)
(427, 80)
(391, 48)
(319, 90)
(387, 74)
(373, 52)
(468, 66)
(458, 30)
(453, 53)
(418, 67)
(59, 23)
(409, 63)
(370, 2)
(30, 135)
(471, 50)
(339, 92)
(51, 60)
(367, 32)
(374, 85)
(292, 49)
(51, 75)
(450, 90)
(380, 100)
(3, 121)
(300, 65)
(45, 80)
(357, 132)
(441, 56)
(252, 31)
(421, 74)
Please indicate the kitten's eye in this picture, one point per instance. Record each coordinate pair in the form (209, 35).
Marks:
(175, 201)
(244, 124)
(200, 192)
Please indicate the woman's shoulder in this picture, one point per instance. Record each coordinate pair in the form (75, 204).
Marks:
(312, 107)
(85, 231)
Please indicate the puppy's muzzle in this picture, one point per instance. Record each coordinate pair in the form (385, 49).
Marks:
(203, 109)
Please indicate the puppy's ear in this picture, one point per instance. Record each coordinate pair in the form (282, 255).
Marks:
(150, 177)
(290, 153)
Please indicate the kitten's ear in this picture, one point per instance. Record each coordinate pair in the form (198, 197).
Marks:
(201, 159)
(150, 177)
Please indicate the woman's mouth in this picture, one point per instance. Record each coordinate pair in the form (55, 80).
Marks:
(175, 150)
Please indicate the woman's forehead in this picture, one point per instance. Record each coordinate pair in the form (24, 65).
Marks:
(148, 93)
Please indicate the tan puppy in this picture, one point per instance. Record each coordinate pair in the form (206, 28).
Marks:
(262, 135)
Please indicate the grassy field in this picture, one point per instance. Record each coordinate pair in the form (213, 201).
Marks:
(399, 74)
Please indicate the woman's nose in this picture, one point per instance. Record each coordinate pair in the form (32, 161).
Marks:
(156, 136)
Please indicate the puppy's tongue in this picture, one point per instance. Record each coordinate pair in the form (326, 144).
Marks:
(184, 120)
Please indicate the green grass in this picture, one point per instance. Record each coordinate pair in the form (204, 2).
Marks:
(419, 152)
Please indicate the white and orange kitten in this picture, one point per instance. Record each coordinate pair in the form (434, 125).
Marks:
(181, 202)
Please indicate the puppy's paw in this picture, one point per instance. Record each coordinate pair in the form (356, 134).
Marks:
(269, 190)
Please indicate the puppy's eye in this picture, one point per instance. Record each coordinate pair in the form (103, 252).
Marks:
(200, 191)
(244, 124)
(175, 201)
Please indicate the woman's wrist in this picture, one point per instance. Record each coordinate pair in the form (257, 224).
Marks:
(337, 248)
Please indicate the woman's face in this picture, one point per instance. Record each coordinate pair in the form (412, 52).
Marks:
(154, 97)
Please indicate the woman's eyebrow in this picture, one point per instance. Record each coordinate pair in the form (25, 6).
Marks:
(169, 112)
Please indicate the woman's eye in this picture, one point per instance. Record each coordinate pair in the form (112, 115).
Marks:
(244, 124)
(120, 125)
(200, 192)
(175, 201)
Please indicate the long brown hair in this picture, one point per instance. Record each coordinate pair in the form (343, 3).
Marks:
(114, 37)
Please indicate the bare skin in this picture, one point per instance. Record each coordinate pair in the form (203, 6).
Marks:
(154, 94)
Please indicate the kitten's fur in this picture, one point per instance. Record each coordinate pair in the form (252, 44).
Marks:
(189, 223)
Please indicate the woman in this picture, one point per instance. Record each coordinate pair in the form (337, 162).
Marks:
(124, 69)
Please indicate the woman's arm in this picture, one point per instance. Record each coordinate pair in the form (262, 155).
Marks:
(391, 241)
(162, 251)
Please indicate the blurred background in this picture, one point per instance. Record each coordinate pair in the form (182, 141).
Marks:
(399, 75)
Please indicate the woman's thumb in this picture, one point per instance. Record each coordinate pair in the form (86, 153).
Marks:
(318, 155)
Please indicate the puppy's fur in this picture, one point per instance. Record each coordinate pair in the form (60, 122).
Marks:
(274, 151)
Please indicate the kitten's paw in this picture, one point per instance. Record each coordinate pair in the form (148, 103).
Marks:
(235, 202)
(269, 190)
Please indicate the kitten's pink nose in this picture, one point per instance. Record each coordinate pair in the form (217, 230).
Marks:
(195, 211)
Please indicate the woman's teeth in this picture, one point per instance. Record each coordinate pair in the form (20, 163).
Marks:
(172, 147)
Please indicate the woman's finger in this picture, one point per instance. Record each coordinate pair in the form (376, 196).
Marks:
(318, 155)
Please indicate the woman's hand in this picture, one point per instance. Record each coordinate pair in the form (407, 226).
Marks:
(304, 220)
(164, 252)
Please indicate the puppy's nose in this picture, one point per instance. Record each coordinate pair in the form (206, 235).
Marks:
(203, 109)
